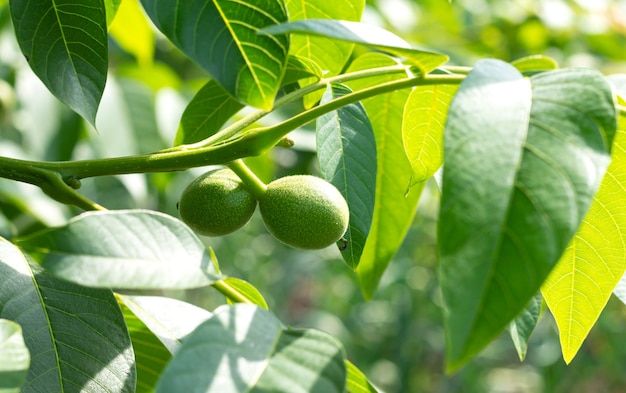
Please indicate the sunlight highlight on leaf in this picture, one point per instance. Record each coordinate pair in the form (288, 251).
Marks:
(364, 34)
(221, 36)
(581, 284)
(66, 328)
(330, 55)
(424, 116)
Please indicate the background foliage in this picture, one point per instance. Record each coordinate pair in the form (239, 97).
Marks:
(396, 338)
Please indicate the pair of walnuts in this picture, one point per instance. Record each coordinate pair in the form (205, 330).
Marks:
(301, 211)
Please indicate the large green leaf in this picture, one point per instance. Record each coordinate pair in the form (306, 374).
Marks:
(330, 55)
(65, 44)
(221, 36)
(425, 115)
(394, 209)
(364, 34)
(346, 149)
(245, 348)
(123, 249)
(14, 357)
(522, 166)
(76, 336)
(582, 282)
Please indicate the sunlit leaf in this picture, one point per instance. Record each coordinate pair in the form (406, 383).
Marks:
(14, 357)
(123, 249)
(361, 33)
(357, 382)
(581, 284)
(133, 33)
(517, 181)
(299, 68)
(425, 115)
(394, 208)
(245, 290)
(330, 55)
(76, 336)
(221, 36)
(66, 46)
(151, 356)
(169, 319)
(245, 348)
(111, 6)
(346, 149)
(534, 64)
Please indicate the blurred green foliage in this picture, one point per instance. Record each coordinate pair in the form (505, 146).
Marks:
(397, 338)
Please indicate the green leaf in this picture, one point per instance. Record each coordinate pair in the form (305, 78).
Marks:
(151, 356)
(346, 150)
(301, 68)
(357, 382)
(522, 327)
(123, 249)
(581, 284)
(132, 31)
(66, 47)
(394, 209)
(247, 290)
(14, 357)
(331, 55)
(111, 7)
(169, 319)
(517, 182)
(424, 116)
(245, 348)
(221, 36)
(76, 336)
(207, 112)
(364, 34)
(534, 64)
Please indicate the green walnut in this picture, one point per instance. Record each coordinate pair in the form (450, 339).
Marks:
(304, 212)
(216, 203)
